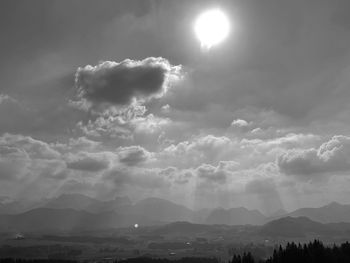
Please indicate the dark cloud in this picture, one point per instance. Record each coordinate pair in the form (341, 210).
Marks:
(133, 155)
(119, 83)
(331, 157)
(169, 171)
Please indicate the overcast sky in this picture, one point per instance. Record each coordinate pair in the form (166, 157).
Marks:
(117, 98)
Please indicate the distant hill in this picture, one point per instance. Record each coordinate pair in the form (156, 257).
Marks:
(236, 216)
(331, 213)
(9, 206)
(292, 227)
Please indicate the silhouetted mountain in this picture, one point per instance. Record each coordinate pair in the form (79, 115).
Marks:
(295, 227)
(236, 216)
(14, 207)
(331, 213)
(85, 203)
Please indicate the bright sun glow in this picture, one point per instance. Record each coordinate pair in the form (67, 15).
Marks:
(212, 27)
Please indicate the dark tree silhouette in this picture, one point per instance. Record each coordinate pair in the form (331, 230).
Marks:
(314, 252)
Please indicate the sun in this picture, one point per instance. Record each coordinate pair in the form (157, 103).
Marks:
(211, 27)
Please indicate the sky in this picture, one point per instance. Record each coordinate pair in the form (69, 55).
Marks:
(117, 98)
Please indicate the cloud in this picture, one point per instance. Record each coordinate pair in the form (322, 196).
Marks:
(119, 83)
(26, 159)
(202, 149)
(178, 176)
(82, 143)
(6, 98)
(149, 123)
(211, 173)
(88, 162)
(13, 162)
(34, 148)
(133, 155)
(240, 123)
(331, 157)
(169, 171)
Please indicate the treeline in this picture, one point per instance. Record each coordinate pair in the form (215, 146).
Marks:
(314, 252)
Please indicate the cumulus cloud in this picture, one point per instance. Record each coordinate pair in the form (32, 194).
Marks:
(119, 83)
(240, 123)
(332, 156)
(165, 108)
(211, 173)
(133, 155)
(26, 159)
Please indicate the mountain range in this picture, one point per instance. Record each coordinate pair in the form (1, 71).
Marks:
(331, 213)
(286, 227)
(75, 211)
